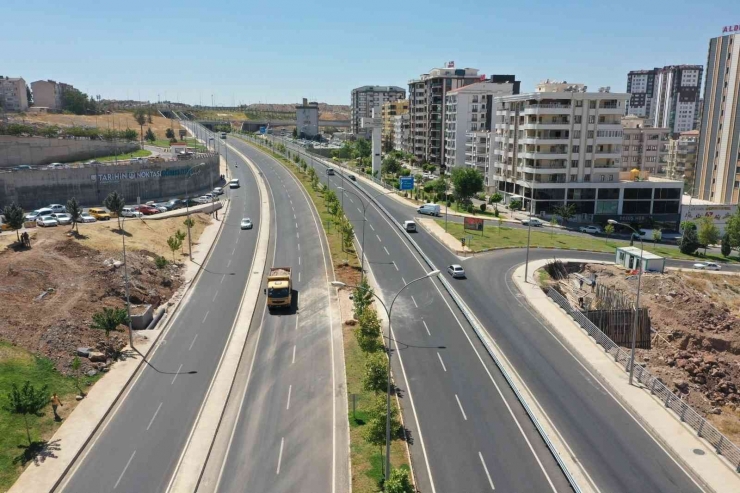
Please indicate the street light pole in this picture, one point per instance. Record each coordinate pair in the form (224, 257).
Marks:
(125, 277)
(637, 300)
(389, 310)
(529, 228)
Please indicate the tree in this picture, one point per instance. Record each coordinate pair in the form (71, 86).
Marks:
(295, 133)
(348, 234)
(109, 319)
(115, 203)
(76, 364)
(399, 482)
(77, 102)
(374, 432)
(169, 133)
(129, 134)
(140, 117)
(657, 236)
(362, 148)
(726, 249)
(74, 210)
(375, 377)
(495, 199)
(483, 207)
(189, 222)
(608, 230)
(14, 217)
(174, 243)
(515, 204)
(689, 241)
(708, 232)
(565, 211)
(180, 235)
(368, 332)
(27, 400)
(391, 165)
(732, 227)
(149, 136)
(29, 95)
(362, 297)
(467, 182)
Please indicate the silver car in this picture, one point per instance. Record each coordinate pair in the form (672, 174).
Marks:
(62, 218)
(85, 217)
(46, 221)
(456, 271)
(246, 223)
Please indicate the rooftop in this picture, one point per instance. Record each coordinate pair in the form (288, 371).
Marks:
(379, 89)
(636, 252)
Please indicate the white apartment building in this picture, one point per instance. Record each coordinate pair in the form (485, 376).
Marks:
(468, 109)
(365, 98)
(562, 144)
(427, 109)
(478, 145)
(13, 95)
(644, 147)
(48, 94)
(307, 118)
(401, 125)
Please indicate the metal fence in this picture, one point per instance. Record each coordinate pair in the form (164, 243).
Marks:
(722, 445)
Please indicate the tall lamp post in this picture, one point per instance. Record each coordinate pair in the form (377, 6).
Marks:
(388, 310)
(529, 229)
(364, 220)
(637, 302)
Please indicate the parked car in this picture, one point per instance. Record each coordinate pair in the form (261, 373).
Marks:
(707, 266)
(533, 221)
(148, 210)
(131, 212)
(57, 208)
(56, 166)
(32, 216)
(246, 223)
(46, 221)
(456, 271)
(62, 218)
(218, 191)
(21, 167)
(99, 213)
(175, 204)
(590, 229)
(161, 206)
(190, 202)
(86, 217)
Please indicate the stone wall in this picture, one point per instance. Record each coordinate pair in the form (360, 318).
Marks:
(152, 180)
(38, 151)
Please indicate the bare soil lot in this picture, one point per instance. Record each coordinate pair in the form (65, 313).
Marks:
(120, 121)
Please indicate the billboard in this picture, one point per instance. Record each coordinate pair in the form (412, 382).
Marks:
(406, 183)
(719, 212)
(474, 223)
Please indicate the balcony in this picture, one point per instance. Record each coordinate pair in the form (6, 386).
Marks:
(547, 109)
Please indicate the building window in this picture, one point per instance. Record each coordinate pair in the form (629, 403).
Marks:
(589, 148)
(592, 118)
(576, 149)
(574, 163)
(590, 134)
(586, 177)
(588, 163)
(592, 105)
(573, 177)
(577, 119)
(576, 134)
(579, 103)
(603, 177)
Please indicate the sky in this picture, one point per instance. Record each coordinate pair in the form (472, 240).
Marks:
(280, 51)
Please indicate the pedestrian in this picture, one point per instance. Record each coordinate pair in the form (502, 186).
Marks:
(593, 284)
(55, 402)
(580, 283)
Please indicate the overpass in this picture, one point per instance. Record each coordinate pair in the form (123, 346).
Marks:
(254, 125)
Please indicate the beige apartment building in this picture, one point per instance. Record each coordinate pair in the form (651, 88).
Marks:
(388, 110)
(682, 156)
(644, 147)
(13, 95)
(48, 94)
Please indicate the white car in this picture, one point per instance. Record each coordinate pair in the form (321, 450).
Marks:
(707, 266)
(218, 191)
(246, 223)
(32, 216)
(533, 221)
(85, 217)
(62, 218)
(57, 208)
(131, 212)
(46, 221)
(456, 271)
(590, 229)
(203, 199)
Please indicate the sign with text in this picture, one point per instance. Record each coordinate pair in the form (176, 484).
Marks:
(719, 213)
(371, 122)
(406, 183)
(474, 223)
(731, 29)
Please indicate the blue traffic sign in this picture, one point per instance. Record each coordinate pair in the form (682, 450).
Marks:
(406, 183)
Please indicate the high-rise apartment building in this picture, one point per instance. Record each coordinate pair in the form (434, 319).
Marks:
(401, 125)
(717, 175)
(365, 98)
(682, 157)
(667, 97)
(13, 95)
(644, 147)
(388, 111)
(427, 109)
(468, 109)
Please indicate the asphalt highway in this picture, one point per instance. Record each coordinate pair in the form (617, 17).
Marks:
(618, 454)
(468, 431)
(137, 448)
(285, 428)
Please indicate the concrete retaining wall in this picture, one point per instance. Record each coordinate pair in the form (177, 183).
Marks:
(32, 189)
(37, 151)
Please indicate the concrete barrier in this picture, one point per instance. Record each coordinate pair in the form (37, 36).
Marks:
(37, 151)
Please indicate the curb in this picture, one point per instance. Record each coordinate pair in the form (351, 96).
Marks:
(144, 356)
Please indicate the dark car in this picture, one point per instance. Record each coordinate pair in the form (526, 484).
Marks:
(175, 204)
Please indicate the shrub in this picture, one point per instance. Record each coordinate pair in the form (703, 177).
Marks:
(160, 262)
(483, 207)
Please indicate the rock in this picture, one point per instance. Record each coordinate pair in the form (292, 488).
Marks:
(78, 397)
(701, 379)
(83, 351)
(97, 356)
(681, 385)
(104, 369)
(92, 373)
(116, 264)
(715, 410)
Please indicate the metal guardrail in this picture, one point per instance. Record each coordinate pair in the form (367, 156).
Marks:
(722, 445)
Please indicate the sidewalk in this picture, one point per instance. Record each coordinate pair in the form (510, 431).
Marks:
(80, 427)
(691, 453)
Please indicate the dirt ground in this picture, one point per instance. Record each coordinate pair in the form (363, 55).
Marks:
(696, 344)
(120, 121)
(50, 292)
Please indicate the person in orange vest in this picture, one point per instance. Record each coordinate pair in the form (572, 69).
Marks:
(55, 402)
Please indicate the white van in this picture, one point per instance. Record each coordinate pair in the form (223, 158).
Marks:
(409, 226)
(234, 183)
(431, 209)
